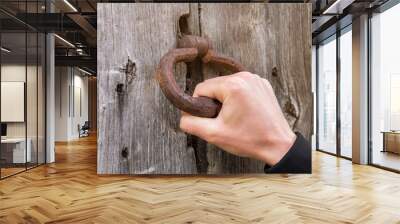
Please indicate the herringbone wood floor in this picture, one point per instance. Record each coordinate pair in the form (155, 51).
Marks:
(69, 191)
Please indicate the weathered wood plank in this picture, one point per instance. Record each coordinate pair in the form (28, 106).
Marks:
(139, 118)
(272, 40)
(264, 37)
(194, 75)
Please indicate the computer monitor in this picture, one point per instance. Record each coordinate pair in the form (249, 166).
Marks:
(3, 129)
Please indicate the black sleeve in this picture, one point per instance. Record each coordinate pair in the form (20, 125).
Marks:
(296, 160)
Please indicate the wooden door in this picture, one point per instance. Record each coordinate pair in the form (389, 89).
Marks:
(138, 128)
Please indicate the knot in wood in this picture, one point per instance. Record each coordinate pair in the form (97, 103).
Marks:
(120, 88)
(290, 109)
(274, 72)
(124, 152)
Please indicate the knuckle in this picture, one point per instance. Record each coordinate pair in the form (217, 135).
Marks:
(256, 76)
(235, 84)
(199, 87)
(211, 135)
(245, 75)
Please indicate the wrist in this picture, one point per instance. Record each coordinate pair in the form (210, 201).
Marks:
(272, 153)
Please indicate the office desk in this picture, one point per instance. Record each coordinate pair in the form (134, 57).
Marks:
(13, 150)
(391, 141)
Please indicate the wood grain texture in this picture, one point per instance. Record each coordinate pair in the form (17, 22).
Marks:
(139, 119)
(92, 101)
(263, 37)
(70, 191)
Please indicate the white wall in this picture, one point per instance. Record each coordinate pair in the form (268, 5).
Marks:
(79, 117)
(12, 101)
(62, 82)
(12, 73)
(70, 83)
(17, 73)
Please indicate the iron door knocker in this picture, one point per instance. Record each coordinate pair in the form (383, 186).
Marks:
(189, 48)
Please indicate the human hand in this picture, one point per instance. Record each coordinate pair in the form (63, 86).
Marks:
(250, 123)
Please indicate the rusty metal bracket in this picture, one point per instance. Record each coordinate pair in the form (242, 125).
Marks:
(189, 48)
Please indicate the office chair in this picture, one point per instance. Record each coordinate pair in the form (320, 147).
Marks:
(84, 130)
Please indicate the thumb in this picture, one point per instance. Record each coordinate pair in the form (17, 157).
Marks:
(199, 126)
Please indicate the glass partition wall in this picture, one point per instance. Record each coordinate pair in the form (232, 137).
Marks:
(345, 65)
(385, 89)
(13, 145)
(334, 94)
(327, 95)
(22, 77)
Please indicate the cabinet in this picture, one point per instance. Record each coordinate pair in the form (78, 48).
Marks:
(391, 142)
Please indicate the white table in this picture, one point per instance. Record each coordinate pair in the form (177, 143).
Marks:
(18, 149)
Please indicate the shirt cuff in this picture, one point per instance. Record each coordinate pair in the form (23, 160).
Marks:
(296, 160)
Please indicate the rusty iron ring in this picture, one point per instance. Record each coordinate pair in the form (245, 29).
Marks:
(191, 47)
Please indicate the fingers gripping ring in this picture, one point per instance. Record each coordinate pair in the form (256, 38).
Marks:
(191, 47)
